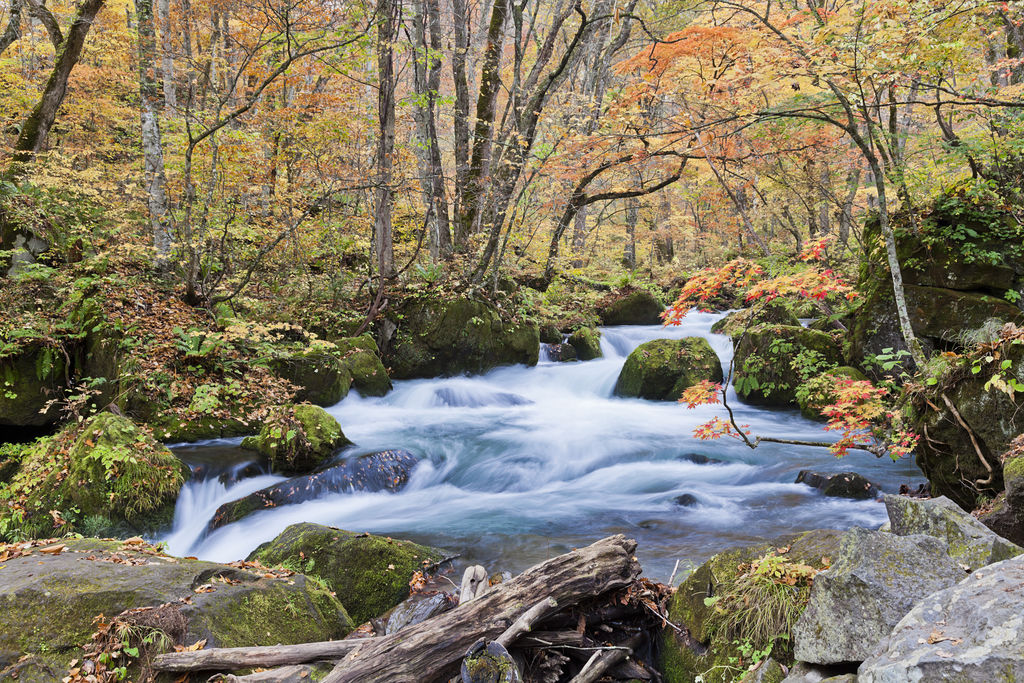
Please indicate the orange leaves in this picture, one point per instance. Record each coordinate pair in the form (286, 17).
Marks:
(703, 393)
(702, 290)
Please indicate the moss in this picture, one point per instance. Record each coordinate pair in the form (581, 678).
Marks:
(321, 377)
(298, 439)
(771, 362)
(28, 380)
(773, 312)
(369, 574)
(361, 357)
(663, 368)
(630, 307)
(587, 342)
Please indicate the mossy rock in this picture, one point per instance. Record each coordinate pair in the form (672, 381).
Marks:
(297, 439)
(630, 307)
(770, 361)
(11, 455)
(587, 342)
(693, 607)
(820, 392)
(435, 337)
(29, 379)
(550, 334)
(48, 602)
(104, 467)
(361, 357)
(175, 430)
(369, 574)
(773, 312)
(320, 375)
(662, 369)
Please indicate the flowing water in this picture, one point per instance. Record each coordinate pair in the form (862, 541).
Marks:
(527, 462)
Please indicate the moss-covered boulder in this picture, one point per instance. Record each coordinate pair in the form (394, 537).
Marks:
(1006, 516)
(724, 581)
(774, 312)
(550, 334)
(433, 337)
(630, 307)
(562, 353)
(814, 394)
(298, 439)
(320, 375)
(771, 361)
(29, 379)
(369, 574)
(587, 342)
(104, 468)
(662, 369)
(381, 471)
(48, 600)
(361, 357)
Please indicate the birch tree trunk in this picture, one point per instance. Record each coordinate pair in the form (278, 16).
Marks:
(163, 9)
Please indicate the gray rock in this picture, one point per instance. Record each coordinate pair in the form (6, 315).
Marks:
(802, 672)
(970, 542)
(875, 579)
(842, 485)
(769, 671)
(973, 631)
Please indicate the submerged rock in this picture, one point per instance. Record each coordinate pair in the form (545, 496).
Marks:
(973, 631)
(382, 471)
(630, 307)
(48, 600)
(369, 574)
(587, 342)
(970, 542)
(662, 369)
(874, 580)
(298, 439)
(842, 485)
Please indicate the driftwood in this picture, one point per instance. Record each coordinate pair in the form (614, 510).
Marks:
(587, 600)
(474, 583)
(433, 648)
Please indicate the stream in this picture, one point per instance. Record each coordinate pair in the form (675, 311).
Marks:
(524, 463)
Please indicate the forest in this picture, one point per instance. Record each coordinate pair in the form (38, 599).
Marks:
(309, 308)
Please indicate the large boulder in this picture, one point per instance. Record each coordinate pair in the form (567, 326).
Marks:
(707, 648)
(435, 337)
(29, 379)
(48, 600)
(969, 541)
(774, 312)
(298, 439)
(1007, 515)
(842, 485)
(369, 574)
(875, 579)
(771, 361)
(630, 307)
(662, 369)
(105, 469)
(973, 631)
(381, 471)
(361, 357)
(587, 342)
(320, 376)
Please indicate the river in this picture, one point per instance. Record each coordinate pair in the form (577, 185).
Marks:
(523, 463)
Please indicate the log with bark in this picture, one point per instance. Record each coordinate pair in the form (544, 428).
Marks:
(584, 612)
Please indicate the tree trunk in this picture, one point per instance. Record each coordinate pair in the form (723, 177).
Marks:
(149, 96)
(632, 215)
(460, 21)
(163, 9)
(387, 18)
(13, 31)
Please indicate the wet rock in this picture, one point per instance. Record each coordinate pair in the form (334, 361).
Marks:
(587, 342)
(549, 334)
(298, 439)
(369, 574)
(874, 580)
(436, 337)
(842, 485)
(562, 353)
(361, 358)
(454, 398)
(766, 367)
(382, 471)
(686, 500)
(630, 307)
(973, 631)
(699, 459)
(662, 369)
(970, 542)
(774, 312)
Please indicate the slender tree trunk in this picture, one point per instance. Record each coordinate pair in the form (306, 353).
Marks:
(632, 215)
(149, 96)
(460, 21)
(13, 31)
(167, 54)
(387, 24)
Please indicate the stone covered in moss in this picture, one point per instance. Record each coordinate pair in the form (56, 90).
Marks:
(772, 360)
(369, 574)
(29, 379)
(1006, 517)
(48, 601)
(105, 467)
(361, 357)
(630, 307)
(970, 542)
(774, 312)
(320, 375)
(662, 369)
(298, 438)
(702, 652)
(819, 392)
(550, 334)
(587, 342)
(435, 337)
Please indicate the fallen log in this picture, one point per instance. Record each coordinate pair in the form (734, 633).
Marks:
(432, 650)
(231, 658)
